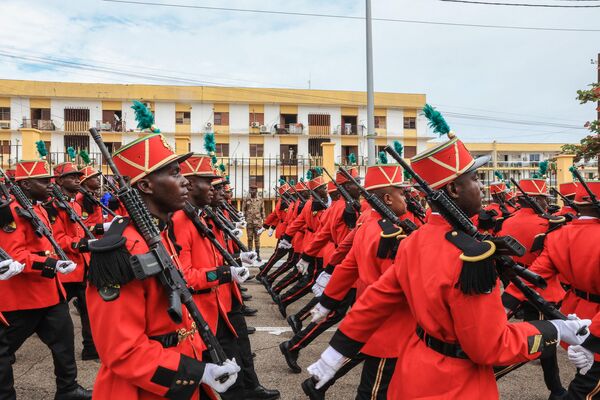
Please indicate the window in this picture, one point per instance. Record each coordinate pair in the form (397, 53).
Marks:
(4, 113)
(410, 123)
(77, 119)
(379, 122)
(182, 118)
(314, 147)
(257, 150)
(535, 157)
(221, 118)
(78, 142)
(222, 150)
(346, 151)
(257, 118)
(319, 119)
(5, 146)
(288, 153)
(257, 180)
(112, 120)
(349, 125)
(410, 151)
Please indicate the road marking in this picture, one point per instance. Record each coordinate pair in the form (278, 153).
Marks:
(278, 330)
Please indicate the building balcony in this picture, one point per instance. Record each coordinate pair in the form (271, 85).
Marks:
(289, 129)
(107, 126)
(41, 124)
(350, 130)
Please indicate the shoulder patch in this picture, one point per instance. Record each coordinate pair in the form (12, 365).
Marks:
(51, 211)
(7, 220)
(389, 240)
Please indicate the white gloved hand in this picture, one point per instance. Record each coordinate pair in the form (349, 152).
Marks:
(317, 289)
(271, 231)
(65, 266)
(319, 313)
(237, 233)
(213, 371)
(248, 257)
(260, 231)
(14, 268)
(581, 357)
(241, 224)
(284, 244)
(241, 215)
(240, 274)
(567, 330)
(302, 266)
(323, 279)
(326, 367)
(106, 225)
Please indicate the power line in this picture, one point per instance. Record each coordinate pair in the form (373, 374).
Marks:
(352, 17)
(520, 4)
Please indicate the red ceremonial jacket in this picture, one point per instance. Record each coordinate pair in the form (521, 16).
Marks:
(424, 277)
(202, 266)
(33, 288)
(90, 219)
(333, 229)
(134, 366)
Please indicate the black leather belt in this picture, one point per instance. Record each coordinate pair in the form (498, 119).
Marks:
(167, 340)
(203, 291)
(594, 298)
(448, 349)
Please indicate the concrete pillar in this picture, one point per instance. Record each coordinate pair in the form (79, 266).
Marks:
(329, 156)
(563, 175)
(28, 138)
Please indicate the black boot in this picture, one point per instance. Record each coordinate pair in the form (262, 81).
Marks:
(246, 297)
(78, 393)
(309, 389)
(250, 330)
(291, 357)
(261, 393)
(248, 312)
(295, 323)
(89, 353)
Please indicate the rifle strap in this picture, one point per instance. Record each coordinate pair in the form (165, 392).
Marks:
(478, 274)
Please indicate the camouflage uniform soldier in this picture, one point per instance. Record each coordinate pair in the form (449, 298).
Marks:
(254, 211)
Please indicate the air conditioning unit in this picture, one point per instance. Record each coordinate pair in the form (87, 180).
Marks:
(264, 129)
(4, 124)
(255, 124)
(208, 125)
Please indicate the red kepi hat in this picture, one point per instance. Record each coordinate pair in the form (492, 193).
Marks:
(199, 165)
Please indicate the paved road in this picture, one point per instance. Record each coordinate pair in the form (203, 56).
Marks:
(35, 381)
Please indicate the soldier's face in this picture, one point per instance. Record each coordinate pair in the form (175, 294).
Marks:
(92, 184)
(218, 195)
(467, 191)
(167, 188)
(322, 191)
(36, 187)
(253, 192)
(394, 198)
(69, 182)
(201, 190)
(352, 189)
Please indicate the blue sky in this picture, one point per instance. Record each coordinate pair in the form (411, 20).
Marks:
(507, 85)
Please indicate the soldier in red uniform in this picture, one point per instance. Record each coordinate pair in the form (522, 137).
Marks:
(35, 301)
(91, 213)
(461, 327)
(143, 353)
(568, 190)
(494, 215)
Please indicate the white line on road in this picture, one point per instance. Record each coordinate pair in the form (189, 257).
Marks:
(278, 330)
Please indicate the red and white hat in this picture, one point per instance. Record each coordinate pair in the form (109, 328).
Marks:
(510, 195)
(89, 172)
(341, 178)
(316, 182)
(498, 187)
(445, 162)
(146, 155)
(568, 189)
(10, 173)
(582, 196)
(299, 186)
(218, 179)
(331, 187)
(199, 165)
(384, 175)
(283, 188)
(32, 169)
(534, 187)
(66, 168)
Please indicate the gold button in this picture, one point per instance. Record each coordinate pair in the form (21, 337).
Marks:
(47, 253)
(192, 382)
(184, 383)
(178, 381)
(454, 233)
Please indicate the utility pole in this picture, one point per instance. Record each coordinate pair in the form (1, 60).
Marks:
(598, 67)
(370, 94)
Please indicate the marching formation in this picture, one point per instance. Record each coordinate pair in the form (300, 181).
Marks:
(421, 280)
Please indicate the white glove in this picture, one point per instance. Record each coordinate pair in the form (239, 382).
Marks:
(270, 233)
(106, 225)
(241, 225)
(240, 274)
(317, 290)
(284, 244)
(65, 267)
(319, 287)
(302, 266)
(213, 371)
(260, 231)
(241, 214)
(326, 367)
(237, 233)
(581, 357)
(567, 330)
(319, 313)
(248, 257)
(14, 268)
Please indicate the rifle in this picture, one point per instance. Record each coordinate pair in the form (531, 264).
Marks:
(64, 204)
(535, 205)
(233, 212)
(26, 211)
(158, 262)
(407, 225)
(593, 198)
(3, 257)
(414, 207)
(564, 198)
(204, 231)
(315, 196)
(92, 199)
(351, 201)
(302, 200)
(505, 245)
(222, 224)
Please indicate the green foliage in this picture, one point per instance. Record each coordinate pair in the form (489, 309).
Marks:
(85, 157)
(398, 147)
(72, 153)
(590, 95)
(143, 116)
(436, 120)
(383, 157)
(351, 159)
(41, 148)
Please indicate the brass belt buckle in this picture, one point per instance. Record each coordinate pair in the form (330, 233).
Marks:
(183, 334)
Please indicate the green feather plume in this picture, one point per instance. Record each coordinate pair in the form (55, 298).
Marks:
(72, 153)
(281, 181)
(407, 175)
(292, 182)
(213, 160)
(309, 175)
(143, 116)
(318, 171)
(85, 157)
(436, 120)
(499, 175)
(572, 169)
(210, 145)
(41, 148)
(351, 159)
(301, 180)
(542, 169)
(398, 147)
(222, 167)
(383, 157)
